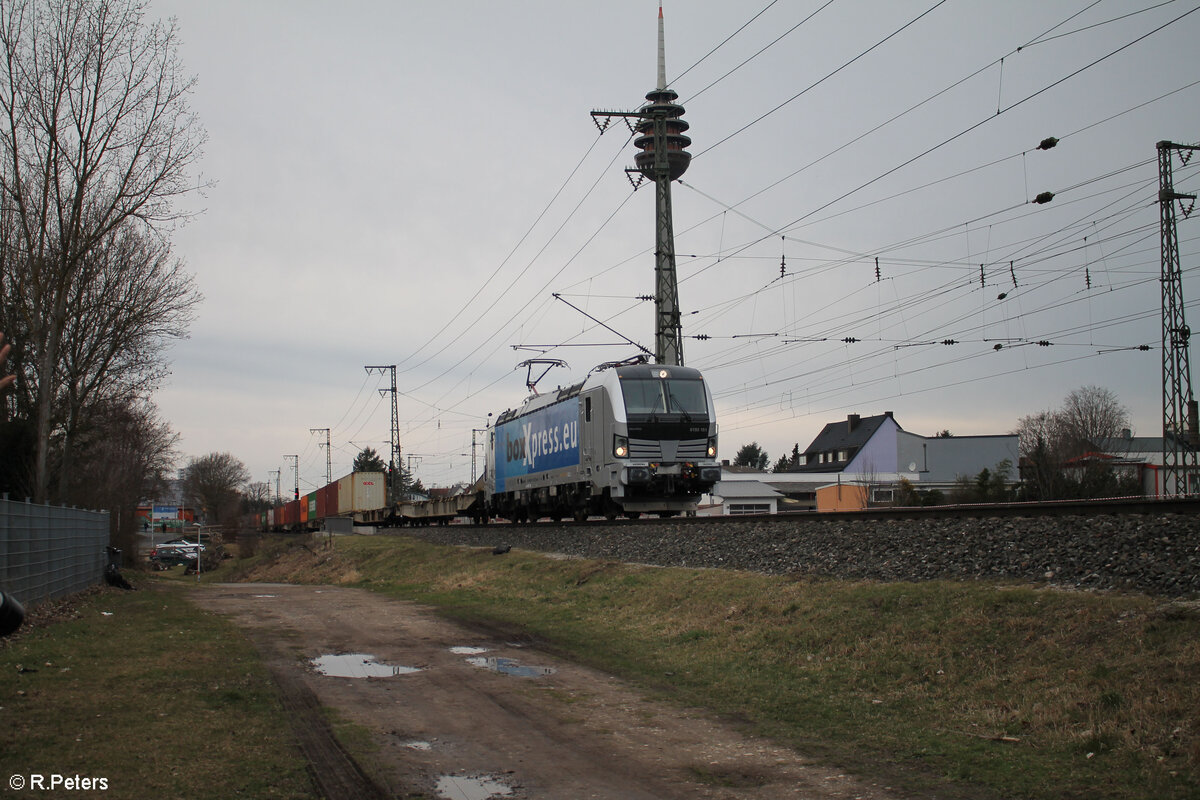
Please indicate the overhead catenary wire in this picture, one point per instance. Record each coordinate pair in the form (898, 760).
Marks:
(940, 4)
(978, 124)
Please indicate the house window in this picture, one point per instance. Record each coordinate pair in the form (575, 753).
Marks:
(737, 509)
(883, 495)
(843, 455)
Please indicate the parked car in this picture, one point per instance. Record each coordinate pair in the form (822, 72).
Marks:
(185, 542)
(176, 551)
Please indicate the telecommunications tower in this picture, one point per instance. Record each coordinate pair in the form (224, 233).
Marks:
(659, 127)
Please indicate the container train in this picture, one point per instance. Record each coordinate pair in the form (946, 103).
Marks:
(632, 438)
(350, 497)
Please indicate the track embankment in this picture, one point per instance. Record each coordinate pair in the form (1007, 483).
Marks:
(1157, 554)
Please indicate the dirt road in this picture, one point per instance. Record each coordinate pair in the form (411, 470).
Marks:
(465, 714)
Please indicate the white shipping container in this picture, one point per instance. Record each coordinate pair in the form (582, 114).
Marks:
(361, 491)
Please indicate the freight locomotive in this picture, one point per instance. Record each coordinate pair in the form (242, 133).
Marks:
(631, 438)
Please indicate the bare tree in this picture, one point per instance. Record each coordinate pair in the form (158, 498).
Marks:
(127, 452)
(96, 137)
(1042, 446)
(215, 483)
(134, 299)
(1089, 415)
(1043, 429)
(1048, 439)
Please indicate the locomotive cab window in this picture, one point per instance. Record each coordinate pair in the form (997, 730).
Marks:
(684, 397)
(587, 409)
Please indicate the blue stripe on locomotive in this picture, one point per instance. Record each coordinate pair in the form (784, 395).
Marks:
(544, 440)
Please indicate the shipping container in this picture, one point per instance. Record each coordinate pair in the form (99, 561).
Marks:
(361, 491)
(291, 514)
(330, 499)
(320, 511)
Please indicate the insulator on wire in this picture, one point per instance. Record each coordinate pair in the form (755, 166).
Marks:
(997, 346)
(1043, 343)
(849, 340)
(1043, 198)
(949, 341)
(1047, 143)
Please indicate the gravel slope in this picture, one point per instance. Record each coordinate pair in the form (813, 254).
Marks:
(1154, 554)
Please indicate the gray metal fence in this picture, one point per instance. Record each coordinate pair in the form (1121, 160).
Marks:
(50, 551)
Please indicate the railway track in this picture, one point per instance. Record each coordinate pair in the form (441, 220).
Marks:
(1150, 547)
(1062, 508)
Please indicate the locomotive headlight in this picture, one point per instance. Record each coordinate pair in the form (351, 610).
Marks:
(620, 446)
(712, 447)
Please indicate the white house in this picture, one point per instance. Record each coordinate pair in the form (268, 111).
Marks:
(872, 451)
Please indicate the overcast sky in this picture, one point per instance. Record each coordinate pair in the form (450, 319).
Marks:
(410, 182)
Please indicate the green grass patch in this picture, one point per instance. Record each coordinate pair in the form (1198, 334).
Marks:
(1002, 690)
(149, 692)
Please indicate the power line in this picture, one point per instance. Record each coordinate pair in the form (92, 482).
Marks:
(826, 77)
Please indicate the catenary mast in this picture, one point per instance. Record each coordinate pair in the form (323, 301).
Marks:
(1179, 405)
(659, 127)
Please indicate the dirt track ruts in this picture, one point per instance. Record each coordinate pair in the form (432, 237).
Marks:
(574, 733)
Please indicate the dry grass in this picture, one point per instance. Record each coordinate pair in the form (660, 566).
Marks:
(150, 693)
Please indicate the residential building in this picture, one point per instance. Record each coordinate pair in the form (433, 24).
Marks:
(860, 461)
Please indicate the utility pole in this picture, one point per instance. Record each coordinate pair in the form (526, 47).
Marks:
(1180, 431)
(474, 473)
(296, 470)
(663, 159)
(274, 472)
(394, 464)
(328, 455)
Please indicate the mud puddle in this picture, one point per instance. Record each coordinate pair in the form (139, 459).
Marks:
(462, 787)
(358, 665)
(509, 666)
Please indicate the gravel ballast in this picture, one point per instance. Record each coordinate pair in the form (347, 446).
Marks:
(1157, 554)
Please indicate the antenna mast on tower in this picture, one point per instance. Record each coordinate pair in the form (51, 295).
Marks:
(663, 159)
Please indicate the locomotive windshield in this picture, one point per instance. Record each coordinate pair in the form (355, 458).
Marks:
(684, 397)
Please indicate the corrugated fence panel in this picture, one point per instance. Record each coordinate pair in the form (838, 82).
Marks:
(50, 551)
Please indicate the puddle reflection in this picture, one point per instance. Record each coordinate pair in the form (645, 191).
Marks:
(509, 666)
(461, 787)
(358, 665)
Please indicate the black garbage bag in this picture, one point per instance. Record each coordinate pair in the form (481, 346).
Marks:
(12, 614)
(112, 571)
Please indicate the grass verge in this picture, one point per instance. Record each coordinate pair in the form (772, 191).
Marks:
(150, 693)
(999, 690)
